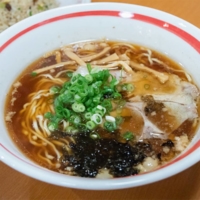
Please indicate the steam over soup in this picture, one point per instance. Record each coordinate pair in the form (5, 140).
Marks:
(102, 109)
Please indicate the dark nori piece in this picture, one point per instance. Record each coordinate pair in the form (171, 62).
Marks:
(87, 156)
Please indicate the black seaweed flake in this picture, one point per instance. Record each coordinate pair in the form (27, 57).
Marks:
(89, 156)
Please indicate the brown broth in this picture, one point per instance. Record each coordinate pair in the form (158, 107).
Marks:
(132, 122)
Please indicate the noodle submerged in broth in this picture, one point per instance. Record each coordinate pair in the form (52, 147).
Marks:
(103, 109)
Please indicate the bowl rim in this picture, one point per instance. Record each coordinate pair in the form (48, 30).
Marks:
(185, 35)
(192, 154)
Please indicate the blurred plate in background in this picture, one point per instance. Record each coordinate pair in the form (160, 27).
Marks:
(70, 2)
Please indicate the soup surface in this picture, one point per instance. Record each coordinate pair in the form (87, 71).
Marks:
(102, 109)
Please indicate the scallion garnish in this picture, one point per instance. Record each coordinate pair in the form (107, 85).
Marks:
(85, 102)
(119, 120)
(146, 86)
(69, 74)
(110, 118)
(78, 107)
(71, 130)
(128, 135)
(110, 126)
(96, 118)
(89, 67)
(88, 115)
(89, 78)
(52, 126)
(100, 110)
(94, 136)
(128, 87)
(54, 90)
(48, 115)
(75, 119)
(90, 125)
(33, 74)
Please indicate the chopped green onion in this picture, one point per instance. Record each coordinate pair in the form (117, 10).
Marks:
(110, 118)
(95, 70)
(97, 99)
(107, 105)
(94, 136)
(89, 67)
(75, 119)
(128, 135)
(78, 107)
(100, 112)
(90, 125)
(80, 81)
(128, 87)
(117, 96)
(89, 78)
(63, 112)
(99, 107)
(66, 97)
(145, 76)
(96, 118)
(97, 84)
(48, 115)
(88, 115)
(119, 120)
(77, 98)
(107, 91)
(71, 130)
(121, 103)
(82, 127)
(74, 78)
(54, 90)
(88, 103)
(113, 82)
(69, 74)
(110, 126)
(52, 126)
(83, 101)
(33, 74)
(90, 91)
(66, 86)
(146, 86)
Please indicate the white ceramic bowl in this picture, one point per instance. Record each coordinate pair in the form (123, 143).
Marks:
(26, 41)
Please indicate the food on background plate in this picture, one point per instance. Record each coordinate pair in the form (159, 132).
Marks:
(103, 109)
(12, 11)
